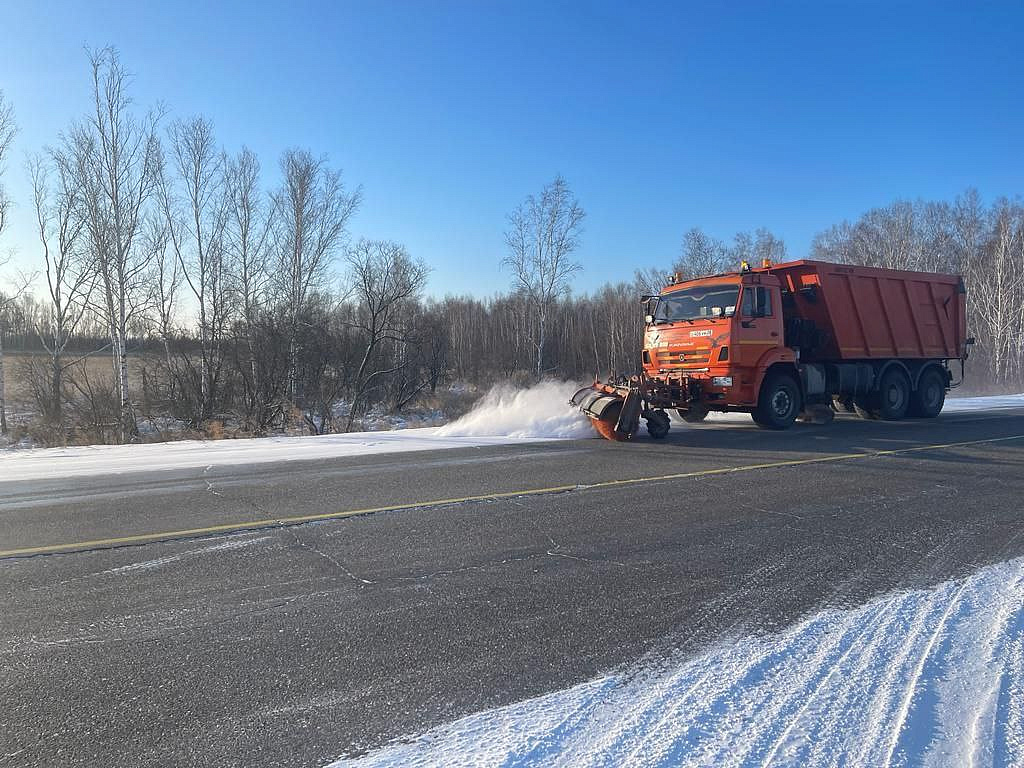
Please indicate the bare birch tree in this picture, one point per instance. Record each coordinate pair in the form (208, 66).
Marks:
(166, 278)
(543, 234)
(115, 160)
(386, 282)
(8, 130)
(247, 228)
(701, 255)
(650, 280)
(312, 210)
(70, 273)
(195, 215)
(996, 291)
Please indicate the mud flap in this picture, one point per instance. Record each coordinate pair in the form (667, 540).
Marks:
(629, 417)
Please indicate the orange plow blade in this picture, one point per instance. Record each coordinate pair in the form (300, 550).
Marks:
(613, 412)
(606, 429)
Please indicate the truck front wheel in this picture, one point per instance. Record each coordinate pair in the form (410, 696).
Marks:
(779, 403)
(693, 416)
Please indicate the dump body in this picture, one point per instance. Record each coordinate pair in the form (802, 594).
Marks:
(865, 313)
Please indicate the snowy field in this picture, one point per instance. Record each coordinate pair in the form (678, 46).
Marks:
(504, 416)
(931, 677)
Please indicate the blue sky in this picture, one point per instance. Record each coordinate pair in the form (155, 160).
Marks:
(727, 116)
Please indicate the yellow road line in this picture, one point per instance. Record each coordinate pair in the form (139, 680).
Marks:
(298, 519)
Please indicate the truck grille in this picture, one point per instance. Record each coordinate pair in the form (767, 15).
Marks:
(683, 358)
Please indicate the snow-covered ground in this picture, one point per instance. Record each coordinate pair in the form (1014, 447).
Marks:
(989, 403)
(503, 416)
(77, 461)
(931, 677)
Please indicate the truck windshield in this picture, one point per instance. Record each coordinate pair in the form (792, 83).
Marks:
(696, 303)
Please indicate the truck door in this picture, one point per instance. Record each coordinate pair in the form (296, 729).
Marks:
(759, 329)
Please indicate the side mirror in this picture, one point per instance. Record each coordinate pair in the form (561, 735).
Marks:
(649, 319)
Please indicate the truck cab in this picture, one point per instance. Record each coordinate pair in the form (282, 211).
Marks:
(716, 334)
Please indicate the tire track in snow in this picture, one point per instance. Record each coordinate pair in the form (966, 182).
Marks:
(959, 735)
(1008, 745)
(854, 691)
(651, 717)
(914, 676)
(870, 626)
(912, 684)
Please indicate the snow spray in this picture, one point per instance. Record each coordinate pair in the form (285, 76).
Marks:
(542, 410)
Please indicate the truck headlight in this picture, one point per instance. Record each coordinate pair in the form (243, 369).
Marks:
(721, 381)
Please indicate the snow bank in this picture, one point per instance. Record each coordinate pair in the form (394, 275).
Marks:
(41, 463)
(542, 410)
(991, 403)
(714, 417)
(930, 677)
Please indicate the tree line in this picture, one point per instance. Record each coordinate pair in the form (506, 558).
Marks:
(254, 307)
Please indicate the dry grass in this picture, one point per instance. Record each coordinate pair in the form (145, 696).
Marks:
(99, 367)
(91, 413)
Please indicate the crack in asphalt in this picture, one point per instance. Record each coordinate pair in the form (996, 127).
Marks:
(329, 558)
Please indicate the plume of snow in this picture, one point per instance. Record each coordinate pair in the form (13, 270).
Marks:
(542, 410)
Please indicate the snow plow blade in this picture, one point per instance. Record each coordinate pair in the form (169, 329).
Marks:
(614, 411)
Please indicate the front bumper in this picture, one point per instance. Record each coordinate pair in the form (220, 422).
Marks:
(674, 391)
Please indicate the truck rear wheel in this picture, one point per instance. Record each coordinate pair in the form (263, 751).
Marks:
(658, 424)
(894, 395)
(927, 400)
(779, 403)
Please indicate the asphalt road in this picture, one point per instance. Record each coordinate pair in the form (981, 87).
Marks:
(506, 573)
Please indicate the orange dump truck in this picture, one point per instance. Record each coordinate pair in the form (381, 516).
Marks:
(792, 339)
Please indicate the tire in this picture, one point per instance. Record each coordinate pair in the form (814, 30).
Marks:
(692, 416)
(894, 395)
(779, 403)
(658, 425)
(927, 400)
